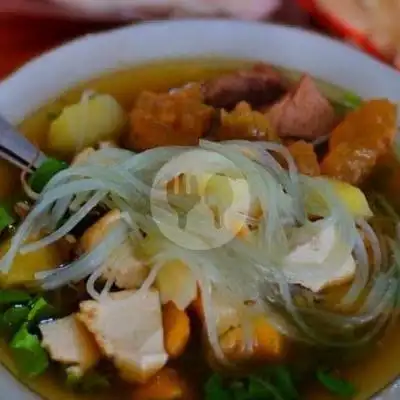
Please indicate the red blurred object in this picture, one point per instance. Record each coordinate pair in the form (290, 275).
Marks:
(21, 38)
(342, 29)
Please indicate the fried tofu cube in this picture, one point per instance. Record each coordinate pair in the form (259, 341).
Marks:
(69, 342)
(128, 328)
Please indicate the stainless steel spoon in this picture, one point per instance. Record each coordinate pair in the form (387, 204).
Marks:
(17, 149)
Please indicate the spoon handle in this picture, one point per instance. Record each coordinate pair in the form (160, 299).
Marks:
(17, 149)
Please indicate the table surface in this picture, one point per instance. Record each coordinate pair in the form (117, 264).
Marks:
(22, 38)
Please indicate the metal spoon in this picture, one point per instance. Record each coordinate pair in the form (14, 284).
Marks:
(17, 149)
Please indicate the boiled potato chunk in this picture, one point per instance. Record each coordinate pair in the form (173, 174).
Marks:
(353, 198)
(176, 283)
(86, 123)
(25, 266)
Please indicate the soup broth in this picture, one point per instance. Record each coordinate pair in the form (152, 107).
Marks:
(369, 374)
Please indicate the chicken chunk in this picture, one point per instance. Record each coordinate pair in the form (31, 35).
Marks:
(304, 113)
(305, 158)
(246, 124)
(167, 119)
(128, 328)
(122, 265)
(259, 85)
(69, 342)
(357, 143)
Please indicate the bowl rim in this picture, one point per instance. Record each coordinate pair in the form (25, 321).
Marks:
(45, 77)
(94, 57)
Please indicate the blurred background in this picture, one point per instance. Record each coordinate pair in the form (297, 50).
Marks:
(30, 27)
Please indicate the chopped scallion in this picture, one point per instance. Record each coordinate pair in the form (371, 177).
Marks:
(40, 310)
(90, 382)
(335, 385)
(352, 100)
(13, 318)
(32, 360)
(45, 172)
(6, 218)
(10, 297)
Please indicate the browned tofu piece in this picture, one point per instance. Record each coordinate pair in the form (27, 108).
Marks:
(168, 119)
(128, 328)
(69, 342)
(122, 266)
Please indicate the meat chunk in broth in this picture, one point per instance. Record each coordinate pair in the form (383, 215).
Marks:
(304, 113)
(357, 143)
(305, 158)
(244, 123)
(128, 329)
(259, 85)
(167, 119)
(69, 342)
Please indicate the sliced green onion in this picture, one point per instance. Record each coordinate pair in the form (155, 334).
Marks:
(283, 380)
(215, 390)
(45, 172)
(335, 385)
(30, 357)
(10, 297)
(348, 102)
(262, 389)
(13, 318)
(352, 100)
(6, 218)
(91, 382)
(41, 310)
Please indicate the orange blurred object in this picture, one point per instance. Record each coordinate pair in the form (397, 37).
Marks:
(342, 29)
(176, 326)
(356, 143)
(166, 385)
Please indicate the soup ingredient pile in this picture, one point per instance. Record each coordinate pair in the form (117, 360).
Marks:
(243, 205)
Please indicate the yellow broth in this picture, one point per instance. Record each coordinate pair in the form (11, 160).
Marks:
(377, 368)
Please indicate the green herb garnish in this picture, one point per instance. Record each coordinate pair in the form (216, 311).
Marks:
(10, 297)
(274, 383)
(40, 310)
(335, 385)
(90, 382)
(12, 319)
(348, 102)
(45, 172)
(6, 218)
(215, 390)
(32, 360)
(352, 100)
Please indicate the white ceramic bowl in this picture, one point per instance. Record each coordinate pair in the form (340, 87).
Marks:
(44, 78)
